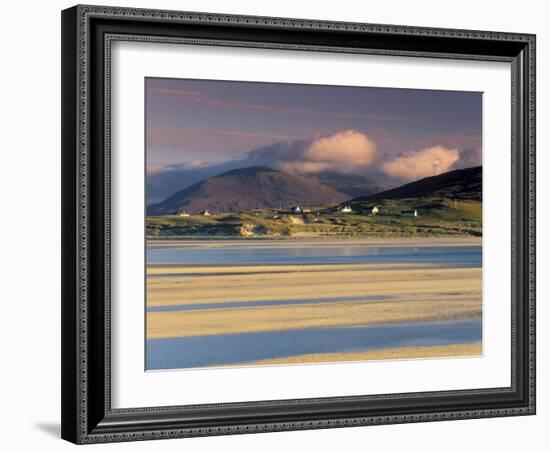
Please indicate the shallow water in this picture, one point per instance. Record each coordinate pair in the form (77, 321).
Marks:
(346, 253)
(223, 349)
(254, 303)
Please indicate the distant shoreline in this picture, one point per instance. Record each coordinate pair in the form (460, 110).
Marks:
(268, 242)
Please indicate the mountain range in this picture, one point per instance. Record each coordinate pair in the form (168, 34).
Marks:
(349, 184)
(246, 189)
(265, 188)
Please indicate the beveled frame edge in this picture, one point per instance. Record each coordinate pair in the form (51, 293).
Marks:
(77, 217)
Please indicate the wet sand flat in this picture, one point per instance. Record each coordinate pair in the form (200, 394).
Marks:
(256, 283)
(173, 269)
(219, 303)
(435, 351)
(264, 242)
(423, 294)
(269, 318)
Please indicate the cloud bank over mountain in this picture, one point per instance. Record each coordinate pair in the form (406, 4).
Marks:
(347, 152)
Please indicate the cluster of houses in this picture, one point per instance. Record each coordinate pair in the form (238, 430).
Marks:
(204, 212)
(369, 210)
(346, 209)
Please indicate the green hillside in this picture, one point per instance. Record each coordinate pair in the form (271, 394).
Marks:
(436, 217)
(446, 205)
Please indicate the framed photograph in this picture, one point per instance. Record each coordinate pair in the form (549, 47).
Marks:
(281, 224)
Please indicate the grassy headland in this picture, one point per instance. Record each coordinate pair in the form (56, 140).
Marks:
(436, 217)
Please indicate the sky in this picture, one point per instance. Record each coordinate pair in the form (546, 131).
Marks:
(199, 128)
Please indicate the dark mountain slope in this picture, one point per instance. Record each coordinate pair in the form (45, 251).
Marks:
(246, 189)
(352, 185)
(463, 184)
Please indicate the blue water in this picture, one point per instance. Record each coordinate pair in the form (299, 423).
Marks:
(254, 303)
(346, 253)
(201, 351)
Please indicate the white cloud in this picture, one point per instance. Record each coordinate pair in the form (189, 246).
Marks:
(469, 157)
(345, 151)
(424, 163)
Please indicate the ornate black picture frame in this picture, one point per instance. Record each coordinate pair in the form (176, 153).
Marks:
(87, 34)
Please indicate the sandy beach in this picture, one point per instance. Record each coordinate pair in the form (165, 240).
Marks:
(308, 281)
(201, 300)
(433, 351)
(420, 294)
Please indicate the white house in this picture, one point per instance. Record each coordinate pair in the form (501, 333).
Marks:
(372, 211)
(205, 213)
(183, 214)
(409, 213)
(296, 210)
(345, 209)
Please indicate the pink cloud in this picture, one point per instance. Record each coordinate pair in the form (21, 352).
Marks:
(424, 163)
(346, 151)
(394, 141)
